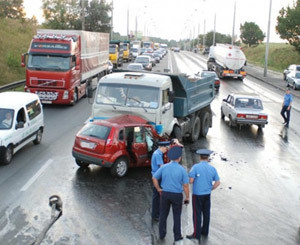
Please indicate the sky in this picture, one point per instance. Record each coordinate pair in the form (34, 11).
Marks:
(181, 19)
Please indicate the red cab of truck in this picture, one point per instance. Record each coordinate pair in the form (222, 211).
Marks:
(62, 63)
(117, 143)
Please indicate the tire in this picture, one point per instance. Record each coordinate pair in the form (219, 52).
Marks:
(176, 133)
(38, 137)
(81, 164)
(205, 118)
(284, 77)
(7, 155)
(231, 123)
(287, 83)
(222, 114)
(75, 97)
(195, 132)
(294, 86)
(120, 167)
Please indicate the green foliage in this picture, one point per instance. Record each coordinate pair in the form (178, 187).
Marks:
(15, 37)
(66, 14)
(12, 9)
(251, 34)
(288, 23)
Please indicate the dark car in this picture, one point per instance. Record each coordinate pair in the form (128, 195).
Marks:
(291, 68)
(145, 61)
(293, 80)
(117, 143)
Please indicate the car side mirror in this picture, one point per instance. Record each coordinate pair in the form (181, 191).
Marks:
(90, 92)
(23, 60)
(225, 100)
(20, 125)
(171, 96)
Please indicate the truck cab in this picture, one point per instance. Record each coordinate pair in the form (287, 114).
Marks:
(116, 53)
(127, 56)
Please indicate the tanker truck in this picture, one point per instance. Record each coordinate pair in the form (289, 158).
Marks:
(227, 61)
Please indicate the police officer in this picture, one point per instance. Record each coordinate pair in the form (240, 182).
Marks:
(174, 179)
(156, 161)
(204, 178)
(286, 107)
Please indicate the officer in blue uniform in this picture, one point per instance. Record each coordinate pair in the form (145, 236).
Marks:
(157, 161)
(204, 178)
(174, 179)
(286, 107)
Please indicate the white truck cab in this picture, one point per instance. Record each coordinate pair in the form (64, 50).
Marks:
(21, 121)
(142, 94)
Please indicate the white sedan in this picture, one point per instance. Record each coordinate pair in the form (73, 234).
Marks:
(244, 109)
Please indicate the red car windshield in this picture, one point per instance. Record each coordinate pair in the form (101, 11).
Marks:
(95, 130)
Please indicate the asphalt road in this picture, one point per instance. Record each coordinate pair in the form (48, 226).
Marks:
(257, 203)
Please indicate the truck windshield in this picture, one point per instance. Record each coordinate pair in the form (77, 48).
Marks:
(48, 62)
(112, 50)
(6, 118)
(127, 95)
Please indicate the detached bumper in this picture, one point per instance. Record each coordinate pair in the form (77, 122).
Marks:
(91, 160)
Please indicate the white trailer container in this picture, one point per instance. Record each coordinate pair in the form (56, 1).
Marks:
(227, 61)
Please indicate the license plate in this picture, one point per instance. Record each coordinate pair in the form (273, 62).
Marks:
(252, 116)
(88, 145)
(46, 102)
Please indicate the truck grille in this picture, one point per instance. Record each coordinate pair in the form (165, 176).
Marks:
(47, 83)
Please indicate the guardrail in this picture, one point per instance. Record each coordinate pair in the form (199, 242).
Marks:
(12, 85)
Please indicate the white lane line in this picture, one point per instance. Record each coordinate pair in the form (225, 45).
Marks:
(34, 177)
(170, 63)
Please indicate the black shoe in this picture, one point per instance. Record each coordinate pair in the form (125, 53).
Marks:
(204, 234)
(155, 219)
(161, 238)
(191, 236)
(178, 239)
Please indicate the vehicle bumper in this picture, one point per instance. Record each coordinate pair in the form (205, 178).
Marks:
(91, 160)
(249, 122)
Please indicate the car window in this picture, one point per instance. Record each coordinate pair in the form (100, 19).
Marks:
(121, 135)
(249, 103)
(165, 96)
(231, 100)
(298, 68)
(297, 75)
(139, 135)
(6, 118)
(95, 130)
(21, 116)
(33, 109)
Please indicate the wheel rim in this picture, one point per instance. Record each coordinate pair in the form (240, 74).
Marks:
(75, 96)
(196, 129)
(121, 168)
(205, 126)
(8, 154)
(39, 136)
(294, 86)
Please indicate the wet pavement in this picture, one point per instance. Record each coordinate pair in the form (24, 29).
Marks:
(257, 202)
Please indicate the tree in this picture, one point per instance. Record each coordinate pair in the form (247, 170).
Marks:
(12, 9)
(251, 34)
(288, 23)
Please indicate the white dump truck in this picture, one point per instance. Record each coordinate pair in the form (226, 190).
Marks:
(227, 61)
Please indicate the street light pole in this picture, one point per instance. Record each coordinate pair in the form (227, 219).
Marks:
(112, 17)
(204, 33)
(232, 38)
(267, 44)
(82, 15)
(214, 36)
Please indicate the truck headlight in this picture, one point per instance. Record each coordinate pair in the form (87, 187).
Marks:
(66, 95)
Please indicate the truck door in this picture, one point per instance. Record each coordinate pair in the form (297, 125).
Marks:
(139, 146)
(166, 110)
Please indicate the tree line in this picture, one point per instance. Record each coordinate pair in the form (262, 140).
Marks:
(67, 14)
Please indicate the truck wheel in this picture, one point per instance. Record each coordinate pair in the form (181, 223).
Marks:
(81, 164)
(120, 167)
(75, 97)
(38, 137)
(204, 123)
(177, 133)
(194, 135)
(7, 155)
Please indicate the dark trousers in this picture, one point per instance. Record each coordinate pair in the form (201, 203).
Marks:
(155, 204)
(168, 199)
(286, 117)
(201, 206)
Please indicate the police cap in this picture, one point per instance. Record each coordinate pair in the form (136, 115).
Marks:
(174, 153)
(204, 152)
(163, 143)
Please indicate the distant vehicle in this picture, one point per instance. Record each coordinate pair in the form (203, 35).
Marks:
(110, 67)
(134, 52)
(126, 51)
(151, 57)
(148, 45)
(205, 73)
(135, 66)
(116, 50)
(158, 53)
(164, 46)
(62, 63)
(244, 109)
(293, 80)
(156, 46)
(143, 50)
(176, 49)
(157, 57)
(205, 50)
(117, 143)
(227, 61)
(291, 68)
(145, 61)
(21, 122)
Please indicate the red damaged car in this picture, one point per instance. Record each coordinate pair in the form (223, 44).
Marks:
(117, 143)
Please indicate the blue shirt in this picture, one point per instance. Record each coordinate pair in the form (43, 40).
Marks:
(172, 176)
(156, 161)
(288, 98)
(203, 175)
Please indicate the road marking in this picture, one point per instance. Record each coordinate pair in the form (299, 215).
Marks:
(170, 63)
(34, 177)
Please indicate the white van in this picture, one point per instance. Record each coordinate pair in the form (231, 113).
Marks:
(21, 121)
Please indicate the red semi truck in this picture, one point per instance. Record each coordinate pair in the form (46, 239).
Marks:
(60, 64)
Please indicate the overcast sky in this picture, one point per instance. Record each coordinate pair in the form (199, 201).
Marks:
(179, 19)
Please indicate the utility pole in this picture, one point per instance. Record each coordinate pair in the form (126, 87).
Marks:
(112, 18)
(82, 15)
(267, 44)
(128, 23)
(233, 26)
(214, 36)
(204, 33)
